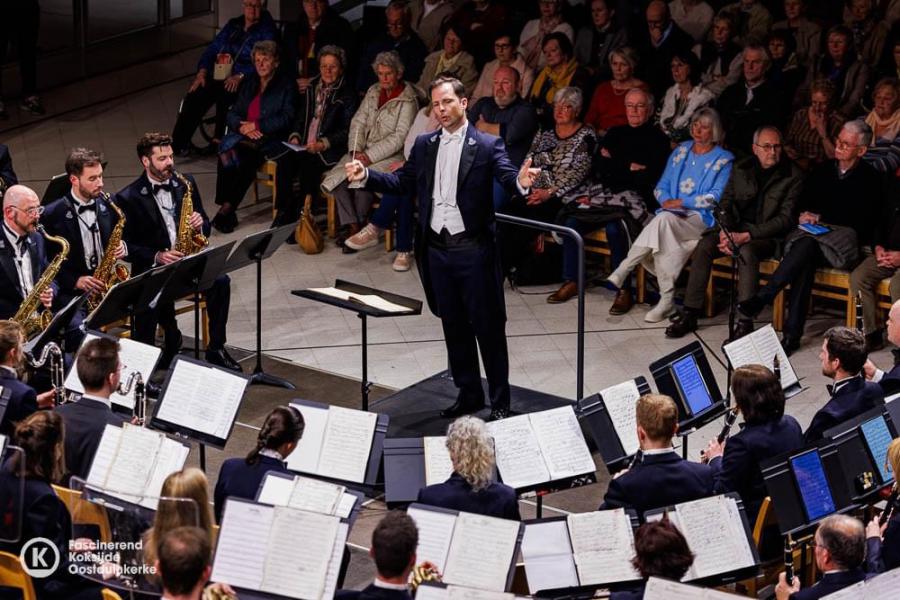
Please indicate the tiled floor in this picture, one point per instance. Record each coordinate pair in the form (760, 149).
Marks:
(403, 350)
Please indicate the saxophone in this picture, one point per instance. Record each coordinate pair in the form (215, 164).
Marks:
(28, 316)
(188, 242)
(109, 271)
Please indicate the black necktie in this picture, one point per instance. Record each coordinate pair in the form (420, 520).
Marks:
(162, 186)
(87, 207)
(22, 244)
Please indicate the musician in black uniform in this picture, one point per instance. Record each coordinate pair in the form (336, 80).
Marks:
(883, 541)
(23, 400)
(152, 206)
(890, 380)
(393, 549)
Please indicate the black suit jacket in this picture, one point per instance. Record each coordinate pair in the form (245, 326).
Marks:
(659, 480)
(11, 294)
(84, 422)
(6, 167)
(853, 398)
(372, 593)
(22, 401)
(497, 500)
(631, 593)
(829, 584)
(890, 383)
(884, 554)
(334, 125)
(741, 118)
(238, 479)
(145, 231)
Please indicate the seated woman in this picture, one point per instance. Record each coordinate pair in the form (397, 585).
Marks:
(720, 57)
(376, 139)
(561, 70)
(686, 96)
(691, 185)
(535, 32)
(260, 119)
(811, 134)
(240, 477)
(660, 550)
(883, 541)
(840, 64)
(324, 112)
(607, 108)
(884, 149)
(471, 487)
(450, 60)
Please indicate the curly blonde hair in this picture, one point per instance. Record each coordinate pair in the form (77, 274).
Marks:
(471, 451)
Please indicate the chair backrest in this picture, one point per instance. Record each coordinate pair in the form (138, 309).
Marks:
(84, 512)
(765, 518)
(13, 575)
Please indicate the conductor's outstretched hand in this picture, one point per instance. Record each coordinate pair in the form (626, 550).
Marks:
(527, 175)
(355, 171)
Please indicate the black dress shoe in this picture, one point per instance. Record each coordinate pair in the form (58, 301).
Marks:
(221, 358)
(498, 413)
(790, 343)
(682, 326)
(752, 306)
(741, 328)
(225, 222)
(462, 407)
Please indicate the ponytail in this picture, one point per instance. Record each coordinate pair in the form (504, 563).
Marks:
(283, 425)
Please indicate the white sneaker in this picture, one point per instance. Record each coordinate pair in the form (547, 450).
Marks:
(663, 309)
(366, 238)
(402, 261)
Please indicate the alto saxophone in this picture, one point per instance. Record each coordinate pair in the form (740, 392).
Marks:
(110, 271)
(28, 316)
(188, 242)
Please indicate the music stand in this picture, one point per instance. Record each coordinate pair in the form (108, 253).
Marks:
(595, 418)
(128, 298)
(255, 248)
(57, 327)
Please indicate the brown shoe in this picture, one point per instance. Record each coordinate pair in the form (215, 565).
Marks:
(565, 293)
(622, 304)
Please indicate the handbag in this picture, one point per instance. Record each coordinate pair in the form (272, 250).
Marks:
(307, 234)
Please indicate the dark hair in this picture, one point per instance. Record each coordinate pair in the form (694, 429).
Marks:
(848, 346)
(687, 56)
(456, 28)
(183, 556)
(508, 33)
(844, 537)
(790, 44)
(41, 436)
(151, 140)
(394, 543)
(758, 394)
(95, 361)
(283, 425)
(661, 551)
(458, 88)
(565, 45)
(79, 158)
(848, 37)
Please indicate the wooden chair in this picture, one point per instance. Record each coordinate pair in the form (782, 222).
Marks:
(13, 575)
(266, 177)
(597, 243)
(108, 594)
(180, 309)
(332, 225)
(84, 512)
(721, 270)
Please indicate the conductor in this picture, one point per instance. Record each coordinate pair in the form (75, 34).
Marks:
(451, 171)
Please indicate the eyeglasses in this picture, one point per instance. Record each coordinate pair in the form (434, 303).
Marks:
(31, 212)
(844, 145)
(639, 105)
(769, 147)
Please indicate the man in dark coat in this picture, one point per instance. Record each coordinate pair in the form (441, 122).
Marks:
(657, 43)
(398, 37)
(393, 549)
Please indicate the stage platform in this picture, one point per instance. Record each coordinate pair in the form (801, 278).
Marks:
(415, 410)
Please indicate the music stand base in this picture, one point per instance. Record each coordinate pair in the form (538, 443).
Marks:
(263, 378)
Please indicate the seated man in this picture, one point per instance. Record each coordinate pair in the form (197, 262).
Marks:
(23, 400)
(843, 356)
(757, 207)
(845, 193)
(840, 547)
(397, 37)
(660, 477)
(890, 380)
(183, 568)
(393, 549)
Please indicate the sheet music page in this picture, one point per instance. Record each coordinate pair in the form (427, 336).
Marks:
(334, 564)
(347, 444)
(171, 458)
(884, 586)
(603, 544)
(715, 534)
(562, 442)
(457, 592)
(438, 466)
(135, 459)
(859, 590)
(547, 553)
(620, 401)
(742, 351)
(276, 490)
(103, 458)
(189, 403)
(432, 592)
(346, 505)
(134, 355)
(435, 533)
(72, 382)
(481, 551)
(372, 300)
(297, 569)
(241, 547)
(315, 496)
(518, 453)
(305, 457)
(663, 589)
(768, 346)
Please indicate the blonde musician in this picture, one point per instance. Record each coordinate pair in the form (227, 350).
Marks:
(883, 532)
(23, 254)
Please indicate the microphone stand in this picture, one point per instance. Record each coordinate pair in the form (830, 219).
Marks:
(736, 259)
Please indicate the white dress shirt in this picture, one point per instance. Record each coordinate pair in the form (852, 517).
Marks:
(166, 204)
(90, 231)
(22, 258)
(105, 401)
(444, 211)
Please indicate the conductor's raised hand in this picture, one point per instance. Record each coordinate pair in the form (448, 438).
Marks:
(527, 175)
(356, 171)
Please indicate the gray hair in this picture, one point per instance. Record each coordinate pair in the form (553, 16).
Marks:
(389, 59)
(861, 129)
(571, 96)
(761, 130)
(648, 97)
(711, 117)
(758, 48)
(335, 51)
(845, 539)
(628, 54)
(471, 450)
(267, 47)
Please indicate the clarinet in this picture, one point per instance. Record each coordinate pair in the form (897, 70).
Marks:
(634, 459)
(889, 508)
(776, 368)
(788, 561)
(730, 418)
(859, 316)
(135, 380)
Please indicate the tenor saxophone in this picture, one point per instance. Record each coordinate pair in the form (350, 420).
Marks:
(110, 271)
(188, 242)
(28, 315)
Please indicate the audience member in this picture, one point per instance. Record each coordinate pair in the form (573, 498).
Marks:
(692, 184)
(531, 39)
(813, 128)
(869, 30)
(684, 98)
(721, 61)
(393, 550)
(890, 381)
(839, 64)
(660, 550)
(889, 65)
(99, 370)
(471, 488)
(807, 34)
(23, 400)
(183, 565)
(607, 107)
(656, 44)
(376, 137)
(660, 477)
(562, 70)
(753, 21)
(482, 20)
(883, 541)
(278, 437)
(824, 199)
(884, 119)
(757, 208)
(594, 42)
(506, 56)
(259, 121)
(840, 548)
(695, 17)
(317, 26)
(785, 71)
(398, 38)
(427, 19)
(216, 82)
(451, 61)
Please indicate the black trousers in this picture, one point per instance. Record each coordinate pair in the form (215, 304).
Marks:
(797, 269)
(20, 25)
(468, 287)
(306, 167)
(233, 182)
(193, 108)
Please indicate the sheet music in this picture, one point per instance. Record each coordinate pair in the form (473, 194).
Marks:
(857, 591)
(297, 569)
(435, 532)
(276, 490)
(603, 545)
(2, 439)
(171, 458)
(188, 402)
(134, 355)
(334, 563)
(760, 347)
(663, 589)
(438, 466)
(715, 534)
(884, 586)
(103, 458)
(432, 592)
(457, 592)
(315, 496)
(135, 459)
(347, 444)
(562, 443)
(345, 506)
(241, 548)
(481, 551)
(547, 553)
(305, 457)
(621, 401)
(371, 300)
(518, 453)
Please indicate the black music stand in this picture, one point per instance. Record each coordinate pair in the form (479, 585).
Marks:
(363, 311)
(57, 327)
(128, 298)
(593, 414)
(254, 249)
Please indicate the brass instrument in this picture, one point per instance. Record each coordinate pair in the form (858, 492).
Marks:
(422, 573)
(110, 271)
(139, 410)
(27, 315)
(52, 352)
(188, 241)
